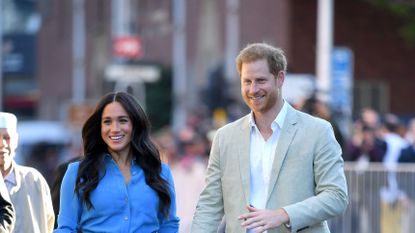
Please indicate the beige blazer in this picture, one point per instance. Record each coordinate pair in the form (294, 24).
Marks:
(307, 177)
(32, 202)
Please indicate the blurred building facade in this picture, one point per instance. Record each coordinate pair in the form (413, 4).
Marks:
(383, 60)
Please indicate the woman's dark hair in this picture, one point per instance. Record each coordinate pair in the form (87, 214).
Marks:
(143, 149)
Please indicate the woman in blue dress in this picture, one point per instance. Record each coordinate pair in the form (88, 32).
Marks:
(121, 185)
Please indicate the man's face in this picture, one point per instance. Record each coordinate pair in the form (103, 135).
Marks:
(8, 145)
(259, 88)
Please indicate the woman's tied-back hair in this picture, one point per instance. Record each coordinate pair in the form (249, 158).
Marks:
(143, 149)
(274, 56)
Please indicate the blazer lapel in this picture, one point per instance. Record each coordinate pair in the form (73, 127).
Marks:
(243, 138)
(287, 134)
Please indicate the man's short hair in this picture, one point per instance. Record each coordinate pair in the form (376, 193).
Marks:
(274, 56)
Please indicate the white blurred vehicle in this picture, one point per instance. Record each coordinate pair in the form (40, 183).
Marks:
(42, 145)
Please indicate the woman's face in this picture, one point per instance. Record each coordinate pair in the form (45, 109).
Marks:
(116, 128)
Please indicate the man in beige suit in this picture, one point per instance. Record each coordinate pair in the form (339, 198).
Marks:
(276, 169)
(29, 192)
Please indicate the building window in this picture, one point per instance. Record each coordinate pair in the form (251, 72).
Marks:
(20, 16)
(374, 94)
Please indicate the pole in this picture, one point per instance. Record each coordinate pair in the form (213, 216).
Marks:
(179, 65)
(121, 17)
(324, 47)
(124, 20)
(78, 50)
(232, 38)
(1, 55)
(232, 47)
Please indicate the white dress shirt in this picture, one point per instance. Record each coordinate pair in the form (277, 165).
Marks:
(262, 153)
(10, 179)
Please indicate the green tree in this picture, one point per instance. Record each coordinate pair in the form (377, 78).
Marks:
(404, 9)
(159, 101)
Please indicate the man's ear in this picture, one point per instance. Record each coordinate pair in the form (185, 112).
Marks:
(280, 78)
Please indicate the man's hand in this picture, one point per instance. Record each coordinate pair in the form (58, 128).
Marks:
(261, 220)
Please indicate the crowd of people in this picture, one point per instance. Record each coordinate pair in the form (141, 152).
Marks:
(274, 169)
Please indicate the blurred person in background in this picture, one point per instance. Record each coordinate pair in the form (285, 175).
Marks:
(187, 157)
(364, 145)
(276, 169)
(406, 180)
(370, 117)
(392, 195)
(407, 154)
(318, 108)
(394, 142)
(120, 185)
(189, 174)
(7, 214)
(71, 152)
(29, 191)
(166, 143)
(44, 157)
(56, 186)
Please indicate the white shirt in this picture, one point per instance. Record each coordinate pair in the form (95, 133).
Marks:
(10, 179)
(262, 153)
(395, 144)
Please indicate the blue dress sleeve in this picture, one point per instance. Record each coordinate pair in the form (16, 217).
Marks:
(70, 205)
(170, 224)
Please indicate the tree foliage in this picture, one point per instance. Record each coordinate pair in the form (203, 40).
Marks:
(159, 100)
(404, 9)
